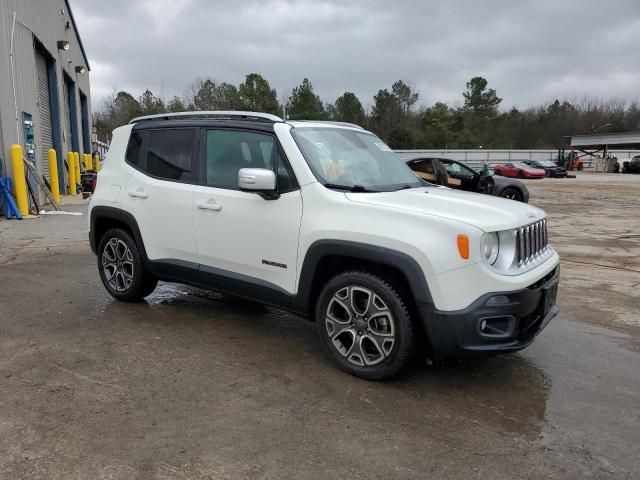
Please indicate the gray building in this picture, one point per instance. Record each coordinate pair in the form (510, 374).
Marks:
(45, 99)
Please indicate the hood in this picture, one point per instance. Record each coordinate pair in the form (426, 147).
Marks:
(482, 211)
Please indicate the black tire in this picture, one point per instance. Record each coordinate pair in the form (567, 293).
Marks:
(383, 336)
(130, 282)
(512, 193)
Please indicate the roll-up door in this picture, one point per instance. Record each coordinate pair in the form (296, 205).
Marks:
(44, 109)
(67, 116)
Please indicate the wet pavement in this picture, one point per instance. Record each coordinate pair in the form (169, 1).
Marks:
(192, 384)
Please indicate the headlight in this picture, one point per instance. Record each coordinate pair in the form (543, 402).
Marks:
(490, 247)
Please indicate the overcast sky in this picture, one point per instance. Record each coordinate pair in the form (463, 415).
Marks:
(529, 51)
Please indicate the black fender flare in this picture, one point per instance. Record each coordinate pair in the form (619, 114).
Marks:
(121, 216)
(401, 261)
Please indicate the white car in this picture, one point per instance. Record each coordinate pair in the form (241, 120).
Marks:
(321, 219)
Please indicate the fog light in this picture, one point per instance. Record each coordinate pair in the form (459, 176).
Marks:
(497, 327)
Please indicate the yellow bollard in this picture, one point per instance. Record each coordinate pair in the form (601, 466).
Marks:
(19, 181)
(89, 161)
(96, 163)
(78, 176)
(71, 161)
(53, 175)
(86, 161)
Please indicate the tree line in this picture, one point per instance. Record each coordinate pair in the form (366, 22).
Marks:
(395, 113)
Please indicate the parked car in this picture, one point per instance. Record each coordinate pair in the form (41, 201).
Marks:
(550, 168)
(519, 170)
(379, 259)
(450, 173)
(632, 166)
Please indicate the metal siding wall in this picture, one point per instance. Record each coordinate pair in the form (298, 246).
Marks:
(47, 20)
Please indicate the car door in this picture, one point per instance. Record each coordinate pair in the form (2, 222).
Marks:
(159, 192)
(426, 169)
(244, 239)
(460, 176)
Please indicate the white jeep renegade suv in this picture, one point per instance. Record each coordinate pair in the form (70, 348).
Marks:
(321, 219)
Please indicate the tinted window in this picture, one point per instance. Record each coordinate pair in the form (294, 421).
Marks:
(228, 151)
(133, 149)
(170, 154)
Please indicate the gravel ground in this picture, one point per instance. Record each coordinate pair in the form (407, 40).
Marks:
(191, 384)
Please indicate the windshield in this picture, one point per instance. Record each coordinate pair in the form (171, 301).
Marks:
(353, 160)
(520, 165)
(547, 163)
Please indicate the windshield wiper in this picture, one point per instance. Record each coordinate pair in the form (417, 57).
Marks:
(349, 188)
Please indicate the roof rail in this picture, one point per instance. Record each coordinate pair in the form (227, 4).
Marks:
(230, 114)
(343, 124)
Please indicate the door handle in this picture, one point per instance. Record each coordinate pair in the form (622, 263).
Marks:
(137, 194)
(210, 205)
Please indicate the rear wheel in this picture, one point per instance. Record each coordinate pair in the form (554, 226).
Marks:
(121, 269)
(365, 325)
(512, 194)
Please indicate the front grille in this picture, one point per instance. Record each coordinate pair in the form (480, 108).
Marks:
(531, 241)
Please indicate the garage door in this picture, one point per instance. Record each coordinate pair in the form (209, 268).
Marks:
(44, 109)
(67, 116)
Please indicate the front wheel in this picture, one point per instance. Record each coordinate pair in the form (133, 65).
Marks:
(121, 269)
(365, 325)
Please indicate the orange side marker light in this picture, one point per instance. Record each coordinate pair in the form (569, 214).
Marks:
(463, 246)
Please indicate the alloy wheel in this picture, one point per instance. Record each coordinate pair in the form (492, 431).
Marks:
(117, 265)
(360, 325)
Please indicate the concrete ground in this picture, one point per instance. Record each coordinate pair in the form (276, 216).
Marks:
(194, 385)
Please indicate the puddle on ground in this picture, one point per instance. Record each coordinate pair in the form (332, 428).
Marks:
(573, 386)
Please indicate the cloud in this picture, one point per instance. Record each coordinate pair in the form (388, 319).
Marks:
(530, 51)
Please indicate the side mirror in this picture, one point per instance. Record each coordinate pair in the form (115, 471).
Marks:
(259, 180)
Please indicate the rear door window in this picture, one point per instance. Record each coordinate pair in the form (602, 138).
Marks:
(171, 153)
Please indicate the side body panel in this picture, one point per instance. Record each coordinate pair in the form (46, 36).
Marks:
(249, 235)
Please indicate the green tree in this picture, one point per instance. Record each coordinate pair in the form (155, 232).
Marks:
(479, 100)
(437, 126)
(256, 95)
(228, 97)
(304, 104)
(405, 94)
(401, 138)
(349, 109)
(205, 94)
(176, 105)
(117, 109)
(386, 113)
(150, 104)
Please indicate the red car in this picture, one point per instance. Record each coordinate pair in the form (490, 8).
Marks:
(519, 170)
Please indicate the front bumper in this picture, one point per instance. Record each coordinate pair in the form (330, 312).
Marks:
(500, 322)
